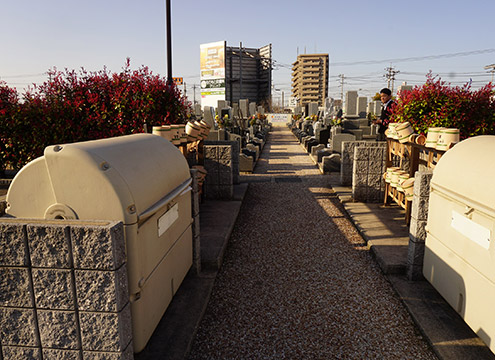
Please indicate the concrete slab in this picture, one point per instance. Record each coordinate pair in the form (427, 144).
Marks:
(387, 236)
(383, 228)
(173, 337)
(444, 329)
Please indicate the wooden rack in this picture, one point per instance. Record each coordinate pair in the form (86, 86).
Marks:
(417, 155)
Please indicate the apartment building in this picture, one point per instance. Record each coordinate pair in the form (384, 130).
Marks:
(310, 78)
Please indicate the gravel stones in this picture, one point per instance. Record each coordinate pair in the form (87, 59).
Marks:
(297, 279)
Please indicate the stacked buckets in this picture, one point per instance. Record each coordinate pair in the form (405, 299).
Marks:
(179, 134)
(400, 180)
(442, 138)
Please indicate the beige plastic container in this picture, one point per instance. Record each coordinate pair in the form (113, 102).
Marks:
(192, 131)
(394, 180)
(392, 131)
(162, 131)
(404, 131)
(141, 180)
(419, 139)
(389, 173)
(408, 188)
(432, 137)
(402, 177)
(446, 138)
(459, 256)
(175, 134)
(203, 134)
(182, 133)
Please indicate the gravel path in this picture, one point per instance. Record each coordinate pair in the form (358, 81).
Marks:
(297, 281)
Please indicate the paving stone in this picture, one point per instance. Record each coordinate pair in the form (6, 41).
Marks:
(127, 354)
(56, 354)
(49, 246)
(13, 245)
(98, 247)
(58, 329)
(53, 289)
(20, 353)
(18, 327)
(15, 287)
(102, 290)
(106, 331)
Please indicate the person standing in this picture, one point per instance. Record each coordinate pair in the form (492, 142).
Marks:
(388, 104)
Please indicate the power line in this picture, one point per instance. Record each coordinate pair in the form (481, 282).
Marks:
(21, 76)
(415, 58)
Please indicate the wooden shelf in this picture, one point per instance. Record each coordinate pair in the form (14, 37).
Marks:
(416, 155)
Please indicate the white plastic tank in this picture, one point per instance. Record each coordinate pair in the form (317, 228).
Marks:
(459, 256)
(142, 180)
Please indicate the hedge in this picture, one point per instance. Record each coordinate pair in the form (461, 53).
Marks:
(78, 106)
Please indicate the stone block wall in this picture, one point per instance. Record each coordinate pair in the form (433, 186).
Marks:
(195, 201)
(347, 159)
(369, 164)
(63, 290)
(236, 150)
(218, 162)
(417, 231)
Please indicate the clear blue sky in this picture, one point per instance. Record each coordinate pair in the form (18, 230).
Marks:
(38, 35)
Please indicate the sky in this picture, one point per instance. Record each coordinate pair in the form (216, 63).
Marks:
(452, 38)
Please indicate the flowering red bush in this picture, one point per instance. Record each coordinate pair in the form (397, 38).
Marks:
(437, 104)
(71, 107)
(8, 105)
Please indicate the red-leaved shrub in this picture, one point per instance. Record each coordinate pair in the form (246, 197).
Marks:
(78, 106)
(436, 104)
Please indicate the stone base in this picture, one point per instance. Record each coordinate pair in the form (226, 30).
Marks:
(246, 163)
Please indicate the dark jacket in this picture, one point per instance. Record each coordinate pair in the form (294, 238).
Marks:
(385, 116)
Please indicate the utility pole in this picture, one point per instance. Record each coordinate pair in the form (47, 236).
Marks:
(491, 69)
(390, 75)
(169, 44)
(194, 94)
(342, 78)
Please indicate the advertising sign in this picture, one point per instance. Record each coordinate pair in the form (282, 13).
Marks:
(278, 117)
(212, 70)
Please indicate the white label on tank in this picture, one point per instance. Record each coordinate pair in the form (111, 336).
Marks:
(166, 220)
(471, 230)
